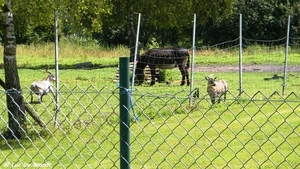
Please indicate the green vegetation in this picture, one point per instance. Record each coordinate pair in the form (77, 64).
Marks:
(257, 129)
(105, 21)
(70, 54)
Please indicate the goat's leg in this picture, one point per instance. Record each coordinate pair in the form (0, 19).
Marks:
(31, 97)
(219, 99)
(53, 95)
(196, 93)
(40, 98)
(213, 100)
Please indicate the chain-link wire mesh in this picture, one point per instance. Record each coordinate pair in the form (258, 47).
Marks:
(172, 130)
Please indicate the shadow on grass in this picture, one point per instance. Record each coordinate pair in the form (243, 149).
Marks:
(84, 65)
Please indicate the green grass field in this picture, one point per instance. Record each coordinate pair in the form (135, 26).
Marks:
(259, 129)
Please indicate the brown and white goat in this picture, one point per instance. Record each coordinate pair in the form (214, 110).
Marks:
(40, 88)
(216, 89)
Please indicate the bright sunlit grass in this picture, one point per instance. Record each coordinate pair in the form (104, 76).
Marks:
(256, 129)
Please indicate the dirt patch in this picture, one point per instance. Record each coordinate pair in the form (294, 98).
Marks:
(246, 68)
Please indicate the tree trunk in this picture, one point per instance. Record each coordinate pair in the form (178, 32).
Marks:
(14, 98)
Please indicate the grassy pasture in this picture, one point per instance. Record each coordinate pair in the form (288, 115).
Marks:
(257, 130)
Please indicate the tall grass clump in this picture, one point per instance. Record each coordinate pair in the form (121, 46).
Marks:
(76, 46)
(71, 50)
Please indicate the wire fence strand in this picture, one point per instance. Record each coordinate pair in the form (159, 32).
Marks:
(246, 131)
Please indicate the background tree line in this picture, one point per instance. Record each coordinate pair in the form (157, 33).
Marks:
(163, 23)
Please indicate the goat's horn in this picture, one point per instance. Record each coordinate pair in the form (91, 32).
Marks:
(47, 70)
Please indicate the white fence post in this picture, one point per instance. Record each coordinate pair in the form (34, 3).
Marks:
(136, 51)
(192, 62)
(241, 59)
(286, 55)
(56, 69)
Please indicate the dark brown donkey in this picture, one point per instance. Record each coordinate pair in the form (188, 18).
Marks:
(163, 58)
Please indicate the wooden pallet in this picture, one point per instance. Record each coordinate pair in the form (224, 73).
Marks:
(146, 71)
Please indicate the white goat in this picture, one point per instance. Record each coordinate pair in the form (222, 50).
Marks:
(216, 89)
(40, 88)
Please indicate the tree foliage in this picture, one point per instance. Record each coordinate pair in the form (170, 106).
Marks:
(163, 23)
(166, 22)
(34, 19)
(260, 20)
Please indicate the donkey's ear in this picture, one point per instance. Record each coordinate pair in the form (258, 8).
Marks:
(206, 77)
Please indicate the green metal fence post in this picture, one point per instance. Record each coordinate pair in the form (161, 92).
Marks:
(124, 113)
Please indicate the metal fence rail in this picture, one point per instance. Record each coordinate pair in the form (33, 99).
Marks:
(246, 131)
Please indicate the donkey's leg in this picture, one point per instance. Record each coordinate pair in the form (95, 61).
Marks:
(182, 70)
(187, 76)
(153, 75)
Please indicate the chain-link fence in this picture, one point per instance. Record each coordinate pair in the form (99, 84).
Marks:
(166, 131)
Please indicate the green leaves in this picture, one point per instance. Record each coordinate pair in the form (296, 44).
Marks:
(76, 16)
(89, 17)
